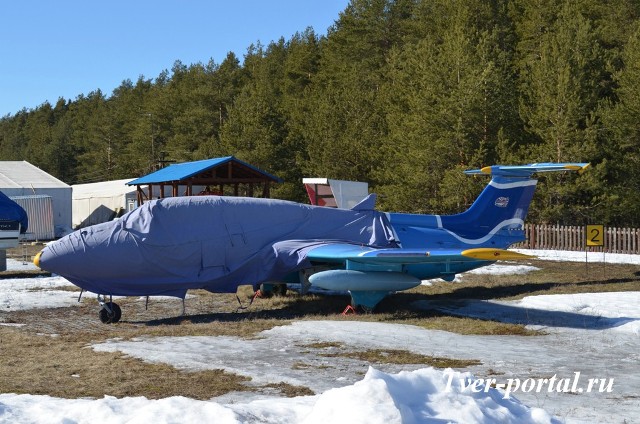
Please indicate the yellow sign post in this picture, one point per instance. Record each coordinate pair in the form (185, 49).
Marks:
(595, 235)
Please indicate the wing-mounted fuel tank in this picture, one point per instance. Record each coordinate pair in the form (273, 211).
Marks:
(367, 288)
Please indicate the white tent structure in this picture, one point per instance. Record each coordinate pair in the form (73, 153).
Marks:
(20, 179)
(101, 202)
(94, 203)
(335, 193)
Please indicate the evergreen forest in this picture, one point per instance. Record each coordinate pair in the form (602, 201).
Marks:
(402, 94)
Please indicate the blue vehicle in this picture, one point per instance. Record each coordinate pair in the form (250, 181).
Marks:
(169, 246)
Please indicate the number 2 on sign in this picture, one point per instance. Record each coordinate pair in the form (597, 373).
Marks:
(595, 235)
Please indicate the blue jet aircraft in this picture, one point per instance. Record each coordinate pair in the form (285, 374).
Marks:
(168, 246)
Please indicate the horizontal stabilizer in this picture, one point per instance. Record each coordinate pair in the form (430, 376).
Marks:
(489, 254)
(528, 170)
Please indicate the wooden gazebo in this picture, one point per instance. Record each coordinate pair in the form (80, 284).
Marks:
(221, 176)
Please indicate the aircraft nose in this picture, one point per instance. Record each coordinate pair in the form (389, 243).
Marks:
(36, 260)
(60, 254)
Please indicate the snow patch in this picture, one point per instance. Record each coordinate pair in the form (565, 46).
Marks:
(419, 396)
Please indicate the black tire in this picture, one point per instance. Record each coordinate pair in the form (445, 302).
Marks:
(266, 290)
(113, 317)
(273, 289)
(280, 289)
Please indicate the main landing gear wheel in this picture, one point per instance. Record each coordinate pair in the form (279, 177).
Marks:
(280, 289)
(110, 313)
(272, 289)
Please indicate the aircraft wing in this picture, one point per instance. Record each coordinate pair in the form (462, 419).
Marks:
(370, 273)
(344, 252)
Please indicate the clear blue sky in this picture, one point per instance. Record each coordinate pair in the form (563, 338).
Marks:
(51, 49)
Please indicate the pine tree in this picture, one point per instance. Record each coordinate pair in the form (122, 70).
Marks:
(562, 67)
(97, 149)
(255, 130)
(621, 199)
(346, 128)
(447, 103)
(132, 127)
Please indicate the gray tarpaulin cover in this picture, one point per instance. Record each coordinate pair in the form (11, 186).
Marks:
(168, 246)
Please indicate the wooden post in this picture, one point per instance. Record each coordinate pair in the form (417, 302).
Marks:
(140, 195)
(532, 236)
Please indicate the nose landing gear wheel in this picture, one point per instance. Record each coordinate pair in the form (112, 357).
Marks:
(110, 313)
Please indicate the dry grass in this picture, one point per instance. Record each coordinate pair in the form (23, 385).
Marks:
(471, 326)
(289, 390)
(323, 345)
(552, 278)
(49, 354)
(66, 367)
(403, 357)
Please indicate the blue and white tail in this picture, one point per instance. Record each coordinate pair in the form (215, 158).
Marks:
(502, 206)
(495, 219)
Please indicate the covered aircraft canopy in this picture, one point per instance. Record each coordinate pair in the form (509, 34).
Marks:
(11, 211)
(335, 193)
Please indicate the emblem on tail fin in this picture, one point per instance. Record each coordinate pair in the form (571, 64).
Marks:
(502, 202)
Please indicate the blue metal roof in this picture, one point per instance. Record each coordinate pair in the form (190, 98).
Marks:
(182, 171)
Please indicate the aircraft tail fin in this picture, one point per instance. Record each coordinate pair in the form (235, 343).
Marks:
(503, 205)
